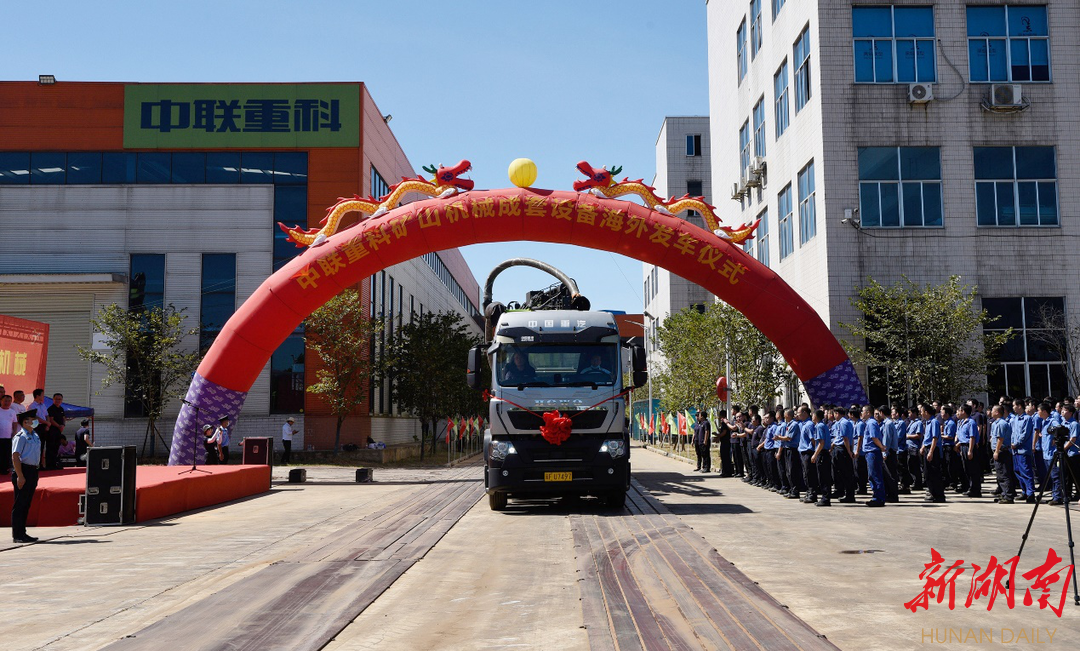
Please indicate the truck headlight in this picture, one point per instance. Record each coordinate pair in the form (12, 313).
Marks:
(500, 449)
(615, 447)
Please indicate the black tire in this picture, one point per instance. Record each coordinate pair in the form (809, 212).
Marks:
(615, 500)
(497, 501)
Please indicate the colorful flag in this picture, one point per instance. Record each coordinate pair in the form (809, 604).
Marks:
(690, 420)
(682, 423)
(449, 428)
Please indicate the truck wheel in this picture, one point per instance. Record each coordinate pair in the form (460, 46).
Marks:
(497, 501)
(615, 500)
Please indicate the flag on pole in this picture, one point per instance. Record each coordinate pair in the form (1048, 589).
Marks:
(690, 420)
(449, 427)
(682, 423)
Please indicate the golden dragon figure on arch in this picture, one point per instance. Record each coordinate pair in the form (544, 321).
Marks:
(447, 182)
(601, 182)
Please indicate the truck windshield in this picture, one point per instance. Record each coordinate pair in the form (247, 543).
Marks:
(557, 364)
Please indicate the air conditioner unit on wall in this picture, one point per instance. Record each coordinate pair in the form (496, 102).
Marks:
(757, 165)
(754, 179)
(920, 93)
(1006, 95)
(736, 194)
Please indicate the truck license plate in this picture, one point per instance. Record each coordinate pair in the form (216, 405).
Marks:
(558, 476)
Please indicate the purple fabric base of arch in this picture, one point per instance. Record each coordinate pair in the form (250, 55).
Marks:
(839, 385)
(205, 403)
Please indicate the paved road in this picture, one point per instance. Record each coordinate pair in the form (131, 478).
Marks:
(427, 566)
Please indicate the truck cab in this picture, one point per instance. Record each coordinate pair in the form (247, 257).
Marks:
(567, 361)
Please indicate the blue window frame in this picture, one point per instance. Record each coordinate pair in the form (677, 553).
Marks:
(801, 58)
(290, 168)
(1008, 43)
(287, 376)
(154, 167)
(777, 5)
(780, 94)
(762, 238)
(759, 127)
(900, 187)
(189, 167)
(48, 168)
(117, 167)
(218, 300)
(1016, 186)
(755, 28)
(693, 144)
(744, 149)
(894, 44)
(740, 49)
(223, 167)
(807, 205)
(787, 239)
(84, 168)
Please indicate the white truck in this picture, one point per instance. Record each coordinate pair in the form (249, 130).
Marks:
(565, 360)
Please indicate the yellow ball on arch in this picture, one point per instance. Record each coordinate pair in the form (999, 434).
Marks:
(522, 172)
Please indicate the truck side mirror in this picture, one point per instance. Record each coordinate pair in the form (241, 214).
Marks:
(638, 364)
(475, 367)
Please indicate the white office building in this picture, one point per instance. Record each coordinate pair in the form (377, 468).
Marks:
(917, 139)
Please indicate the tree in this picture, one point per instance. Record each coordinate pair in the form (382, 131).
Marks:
(425, 363)
(144, 353)
(924, 342)
(699, 345)
(340, 332)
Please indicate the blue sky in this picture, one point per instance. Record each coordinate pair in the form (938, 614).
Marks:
(554, 81)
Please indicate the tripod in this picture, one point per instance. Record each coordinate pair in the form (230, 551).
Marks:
(1058, 462)
(194, 445)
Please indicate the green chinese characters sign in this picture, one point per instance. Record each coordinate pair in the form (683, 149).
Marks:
(247, 116)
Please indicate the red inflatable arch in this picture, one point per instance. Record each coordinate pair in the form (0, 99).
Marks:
(287, 297)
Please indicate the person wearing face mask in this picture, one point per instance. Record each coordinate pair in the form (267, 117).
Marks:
(25, 458)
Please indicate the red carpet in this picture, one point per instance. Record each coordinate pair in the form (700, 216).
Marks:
(159, 491)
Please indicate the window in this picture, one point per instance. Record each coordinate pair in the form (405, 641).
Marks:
(740, 49)
(290, 207)
(218, 301)
(222, 167)
(14, 168)
(1015, 186)
(439, 268)
(693, 144)
(146, 290)
(146, 284)
(894, 44)
(117, 167)
(189, 167)
(780, 92)
(755, 27)
(801, 58)
(762, 238)
(379, 188)
(807, 208)
(787, 241)
(84, 168)
(1008, 43)
(1028, 364)
(694, 189)
(759, 127)
(287, 376)
(48, 168)
(290, 168)
(153, 167)
(256, 167)
(744, 149)
(899, 187)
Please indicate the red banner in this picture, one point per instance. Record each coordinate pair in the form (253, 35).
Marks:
(24, 347)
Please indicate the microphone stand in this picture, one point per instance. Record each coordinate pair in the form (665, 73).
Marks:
(195, 446)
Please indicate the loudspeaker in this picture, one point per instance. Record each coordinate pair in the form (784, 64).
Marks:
(297, 476)
(110, 485)
(258, 451)
(363, 475)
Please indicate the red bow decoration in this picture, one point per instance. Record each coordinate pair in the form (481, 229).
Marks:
(556, 427)
(486, 395)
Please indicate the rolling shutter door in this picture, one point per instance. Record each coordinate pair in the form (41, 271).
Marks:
(68, 316)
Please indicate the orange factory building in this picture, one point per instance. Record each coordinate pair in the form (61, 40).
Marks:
(154, 194)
